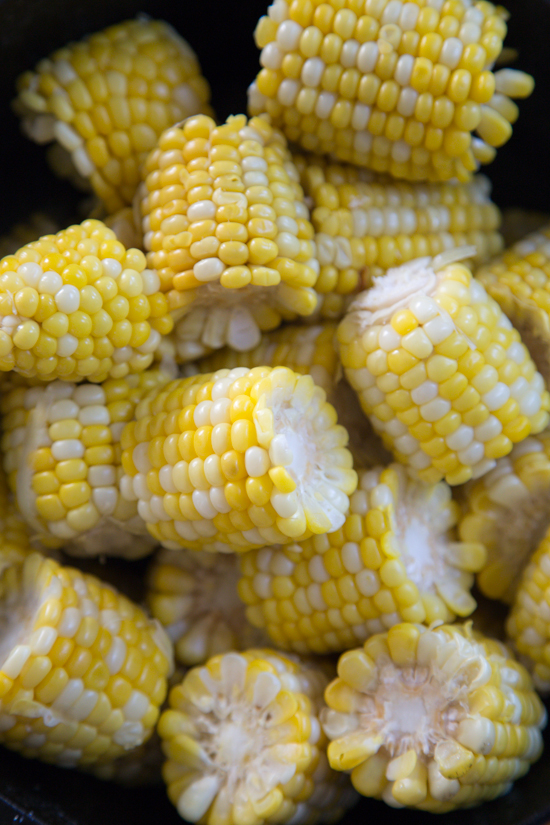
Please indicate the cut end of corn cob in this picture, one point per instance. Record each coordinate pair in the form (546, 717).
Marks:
(520, 283)
(243, 742)
(434, 719)
(440, 371)
(194, 596)
(393, 86)
(508, 511)
(237, 459)
(394, 559)
(367, 223)
(82, 670)
(61, 451)
(528, 625)
(79, 305)
(105, 100)
(226, 227)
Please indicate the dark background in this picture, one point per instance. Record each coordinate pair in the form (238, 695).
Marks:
(220, 31)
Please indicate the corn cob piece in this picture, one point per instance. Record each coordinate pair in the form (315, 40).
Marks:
(434, 719)
(508, 511)
(78, 305)
(394, 559)
(367, 223)
(194, 597)
(527, 623)
(440, 371)
(520, 283)
(237, 459)
(61, 451)
(83, 670)
(227, 230)
(105, 100)
(307, 350)
(38, 224)
(244, 744)
(394, 86)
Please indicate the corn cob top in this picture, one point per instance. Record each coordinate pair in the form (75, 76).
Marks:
(82, 669)
(395, 86)
(393, 559)
(237, 459)
(519, 280)
(367, 223)
(243, 741)
(61, 451)
(432, 719)
(79, 305)
(226, 227)
(508, 510)
(440, 371)
(106, 99)
(194, 596)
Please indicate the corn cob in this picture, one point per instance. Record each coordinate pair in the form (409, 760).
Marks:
(394, 559)
(78, 305)
(237, 459)
(508, 511)
(227, 230)
(38, 224)
(434, 719)
(244, 745)
(527, 623)
(520, 283)
(395, 86)
(83, 670)
(105, 100)
(61, 451)
(308, 350)
(366, 223)
(194, 597)
(440, 371)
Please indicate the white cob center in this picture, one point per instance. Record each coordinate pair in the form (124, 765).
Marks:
(245, 754)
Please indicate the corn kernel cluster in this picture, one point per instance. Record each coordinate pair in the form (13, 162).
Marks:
(105, 100)
(394, 559)
(78, 305)
(395, 86)
(367, 223)
(244, 745)
(83, 670)
(508, 510)
(194, 596)
(227, 230)
(237, 459)
(440, 371)
(61, 451)
(519, 281)
(432, 719)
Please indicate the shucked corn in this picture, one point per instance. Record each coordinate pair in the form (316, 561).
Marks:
(82, 669)
(227, 230)
(236, 459)
(440, 370)
(434, 719)
(194, 596)
(394, 559)
(105, 100)
(520, 282)
(308, 350)
(79, 305)
(508, 510)
(367, 223)
(395, 86)
(244, 745)
(61, 451)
